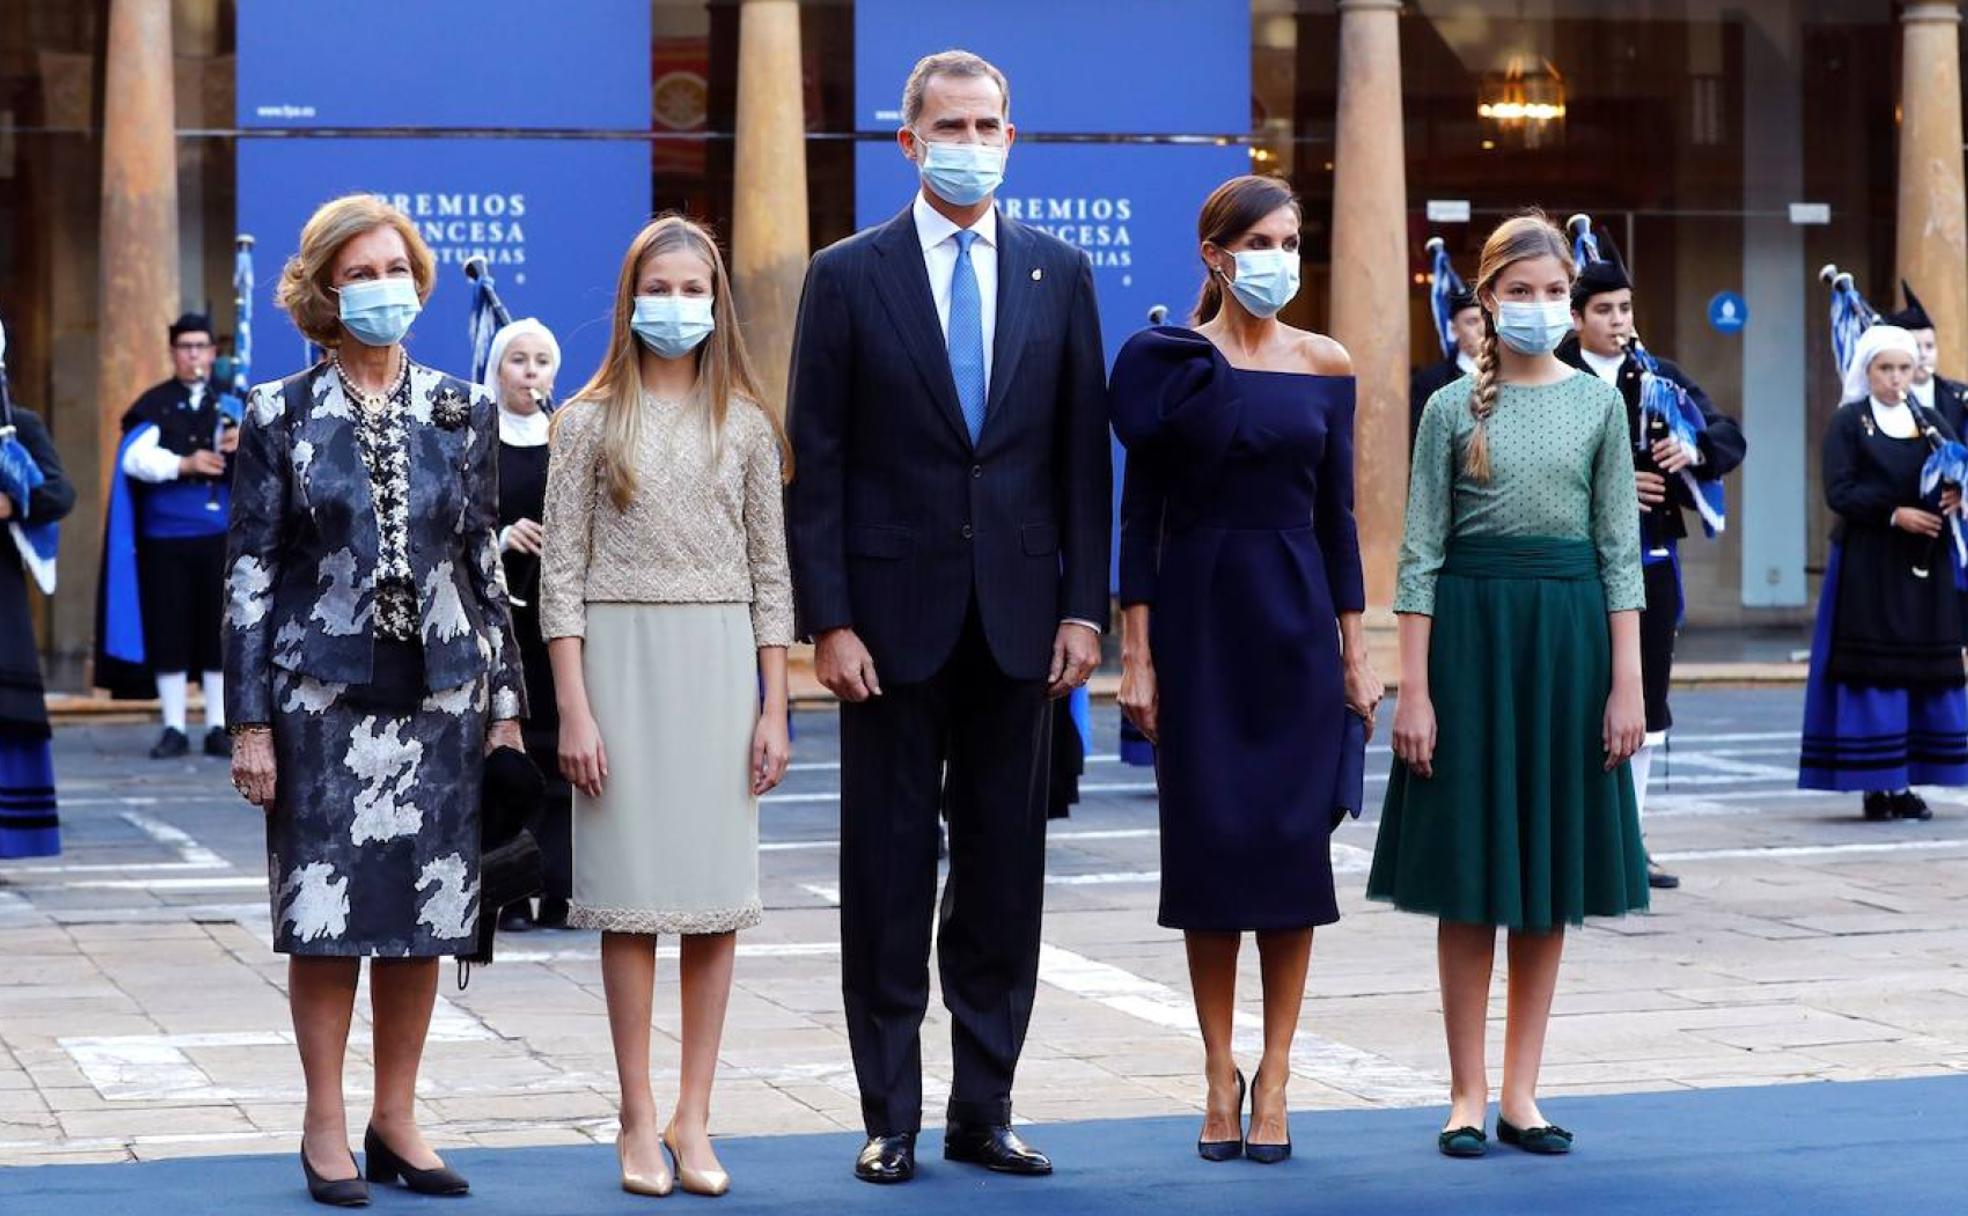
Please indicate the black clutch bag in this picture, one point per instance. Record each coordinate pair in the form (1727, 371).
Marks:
(1350, 790)
(510, 866)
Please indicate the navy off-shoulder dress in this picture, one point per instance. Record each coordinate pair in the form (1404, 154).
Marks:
(1237, 529)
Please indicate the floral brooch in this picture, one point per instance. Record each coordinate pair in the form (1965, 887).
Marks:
(451, 409)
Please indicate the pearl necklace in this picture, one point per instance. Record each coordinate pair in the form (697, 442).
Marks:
(372, 402)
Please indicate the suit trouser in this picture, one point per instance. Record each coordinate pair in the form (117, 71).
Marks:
(991, 732)
(1660, 621)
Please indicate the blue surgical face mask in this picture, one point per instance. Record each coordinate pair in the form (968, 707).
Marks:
(672, 326)
(1266, 281)
(961, 174)
(378, 312)
(1534, 328)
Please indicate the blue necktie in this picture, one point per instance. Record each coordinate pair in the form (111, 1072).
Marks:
(967, 336)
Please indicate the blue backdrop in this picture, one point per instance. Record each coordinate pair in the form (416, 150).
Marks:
(1142, 67)
(1149, 67)
(478, 64)
(551, 216)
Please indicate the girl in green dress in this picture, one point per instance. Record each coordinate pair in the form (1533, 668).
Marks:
(1511, 804)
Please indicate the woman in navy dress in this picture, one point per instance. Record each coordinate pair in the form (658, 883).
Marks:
(1242, 645)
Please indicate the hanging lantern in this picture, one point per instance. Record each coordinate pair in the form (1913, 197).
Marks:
(1523, 109)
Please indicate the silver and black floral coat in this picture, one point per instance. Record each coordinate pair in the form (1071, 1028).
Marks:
(373, 842)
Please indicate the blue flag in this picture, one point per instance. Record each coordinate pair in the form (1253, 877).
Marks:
(1444, 285)
(488, 316)
(1662, 398)
(1851, 316)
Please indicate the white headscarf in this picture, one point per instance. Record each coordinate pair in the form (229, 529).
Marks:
(527, 327)
(1873, 343)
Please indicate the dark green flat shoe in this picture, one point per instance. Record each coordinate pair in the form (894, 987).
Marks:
(1463, 1142)
(1550, 1140)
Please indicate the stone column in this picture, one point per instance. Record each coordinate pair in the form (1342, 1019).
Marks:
(1370, 277)
(768, 227)
(139, 235)
(1933, 249)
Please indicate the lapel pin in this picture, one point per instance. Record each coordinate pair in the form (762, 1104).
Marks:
(1037, 274)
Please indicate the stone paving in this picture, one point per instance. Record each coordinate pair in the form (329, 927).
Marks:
(142, 1014)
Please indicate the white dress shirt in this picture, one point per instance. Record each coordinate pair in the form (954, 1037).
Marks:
(939, 247)
(147, 460)
(1924, 393)
(1465, 364)
(1606, 367)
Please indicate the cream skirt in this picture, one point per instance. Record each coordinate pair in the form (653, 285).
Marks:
(671, 846)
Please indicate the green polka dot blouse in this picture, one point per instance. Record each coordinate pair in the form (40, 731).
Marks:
(1561, 465)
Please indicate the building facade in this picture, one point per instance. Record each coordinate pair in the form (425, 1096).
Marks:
(1732, 147)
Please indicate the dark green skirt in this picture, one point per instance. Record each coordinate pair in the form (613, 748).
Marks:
(1520, 826)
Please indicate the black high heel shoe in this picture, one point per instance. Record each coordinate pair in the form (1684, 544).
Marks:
(383, 1167)
(1226, 1150)
(338, 1192)
(1264, 1154)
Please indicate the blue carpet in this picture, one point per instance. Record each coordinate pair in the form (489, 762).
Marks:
(1794, 1150)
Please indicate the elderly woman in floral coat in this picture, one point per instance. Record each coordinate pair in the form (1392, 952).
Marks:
(369, 664)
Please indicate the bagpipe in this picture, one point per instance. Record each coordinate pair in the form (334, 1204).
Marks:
(20, 476)
(1666, 409)
(1445, 287)
(232, 377)
(1947, 459)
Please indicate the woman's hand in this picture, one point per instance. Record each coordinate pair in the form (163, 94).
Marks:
(1139, 697)
(1626, 723)
(1364, 690)
(772, 751)
(253, 766)
(583, 759)
(524, 536)
(1951, 501)
(1414, 731)
(1916, 521)
(504, 733)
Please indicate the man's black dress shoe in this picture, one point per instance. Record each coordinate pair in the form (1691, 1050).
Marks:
(217, 743)
(886, 1159)
(170, 745)
(995, 1147)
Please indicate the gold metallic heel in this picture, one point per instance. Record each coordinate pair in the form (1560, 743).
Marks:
(711, 1183)
(637, 1184)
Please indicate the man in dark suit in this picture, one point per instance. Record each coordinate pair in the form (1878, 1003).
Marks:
(1948, 398)
(949, 535)
(1602, 309)
(1467, 318)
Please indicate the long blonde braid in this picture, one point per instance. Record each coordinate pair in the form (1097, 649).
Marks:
(1530, 234)
(1482, 403)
